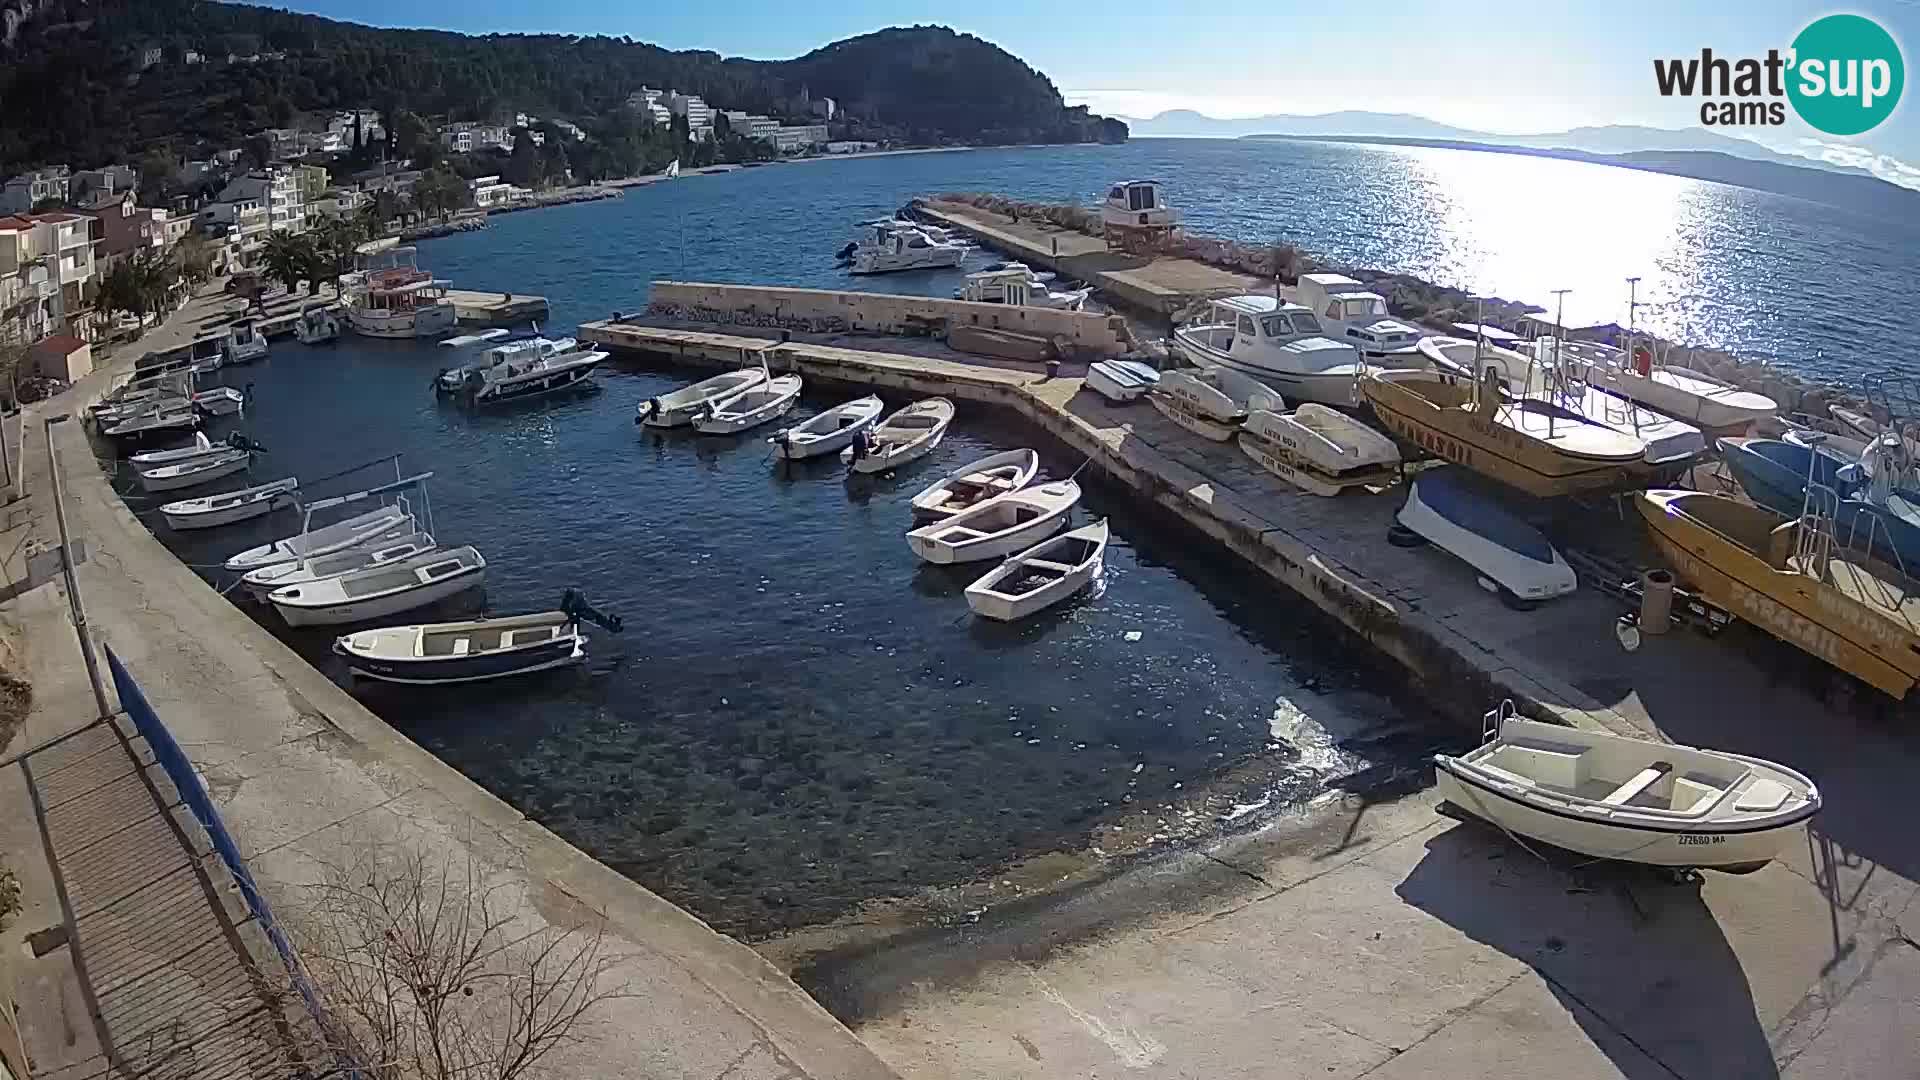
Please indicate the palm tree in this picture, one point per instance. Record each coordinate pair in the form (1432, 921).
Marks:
(288, 259)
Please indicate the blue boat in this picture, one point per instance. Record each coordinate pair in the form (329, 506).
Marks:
(1774, 474)
(1458, 513)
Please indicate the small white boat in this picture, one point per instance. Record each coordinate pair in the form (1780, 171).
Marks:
(1318, 449)
(1282, 345)
(908, 435)
(1631, 800)
(828, 433)
(750, 408)
(475, 649)
(1519, 373)
(1016, 285)
(199, 470)
(678, 408)
(232, 506)
(999, 527)
(201, 446)
(317, 325)
(264, 580)
(1682, 393)
(172, 418)
(1041, 576)
(975, 483)
(1453, 512)
(1122, 381)
(219, 401)
(373, 526)
(886, 250)
(244, 344)
(461, 341)
(1211, 401)
(379, 591)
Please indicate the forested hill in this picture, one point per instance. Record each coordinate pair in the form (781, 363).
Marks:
(72, 87)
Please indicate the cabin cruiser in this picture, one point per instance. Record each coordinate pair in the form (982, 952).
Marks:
(244, 344)
(1137, 204)
(453, 380)
(1016, 285)
(519, 379)
(1282, 345)
(397, 299)
(1352, 313)
(884, 249)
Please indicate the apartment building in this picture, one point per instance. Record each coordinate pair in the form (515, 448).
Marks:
(28, 190)
(46, 261)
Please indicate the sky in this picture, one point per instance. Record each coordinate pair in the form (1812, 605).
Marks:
(1505, 67)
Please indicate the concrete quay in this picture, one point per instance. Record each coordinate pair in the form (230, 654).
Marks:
(477, 308)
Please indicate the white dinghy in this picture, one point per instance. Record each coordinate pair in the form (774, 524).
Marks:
(999, 527)
(1122, 381)
(908, 435)
(828, 433)
(475, 649)
(191, 471)
(1211, 401)
(975, 483)
(1041, 576)
(376, 526)
(232, 506)
(201, 446)
(679, 408)
(1632, 800)
(1318, 449)
(172, 417)
(749, 409)
(268, 578)
(379, 591)
(219, 401)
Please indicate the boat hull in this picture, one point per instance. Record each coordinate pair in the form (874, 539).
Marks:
(1480, 533)
(831, 443)
(379, 607)
(1781, 487)
(388, 527)
(1120, 381)
(1329, 388)
(1278, 458)
(421, 322)
(431, 671)
(228, 515)
(998, 546)
(212, 471)
(1190, 416)
(526, 389)
(1716, 408)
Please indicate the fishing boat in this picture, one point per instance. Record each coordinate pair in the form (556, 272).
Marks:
(1122, 381)
(1520, 373)
(265, 579)
(244, 344)
(1870, 511)
(219, 401)
(397, 299)
(373, 526)
(1718, 407)
(1632, 800)
(474, 650)
(521, 380)
(1211, 401)
(1787, 576)
(118, 415)
(1531, 445)
(976, 482)
(829, 432)
(1318, 449)
(1016, 285)
(1282, 345)
(1450, 510)
(317, 325)
(906, 436)
(1041, 576)
(455, 380)
(883, 250)
(750, 408)
(232, 506)
(191, 471)
(379, 591)
(998, 527)
(172, 419)
(1355, 314)
(199, 447)
(678, 408)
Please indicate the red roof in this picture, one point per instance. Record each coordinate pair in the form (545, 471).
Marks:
(16, 221)
(60, 344)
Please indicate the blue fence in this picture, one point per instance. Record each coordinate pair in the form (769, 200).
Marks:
(186, 781)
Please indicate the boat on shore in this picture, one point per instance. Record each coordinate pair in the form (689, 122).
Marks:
(829, 432)
(379, 591)
(1356, 314)
(975, 483)
(1716, 406)
(232, 506)
(474, 650)
(1211, 401)
(1520, 373)
(1878, 517)
(1281, 345)
(261, 581)
(1318, 449)
(902, 438)
(1632, 800)
(678, 409)
(998, 527)
(750, 408)
(1452, 511)
(1041, 576)
(1122, 381)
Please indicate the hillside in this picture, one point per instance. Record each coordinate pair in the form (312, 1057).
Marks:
(72, 87)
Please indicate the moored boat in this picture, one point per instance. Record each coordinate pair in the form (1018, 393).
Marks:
(1211, 401)
(906, 436)
(317, 325)
(521, 380)
(514, 353)
(829, 432)
(677, 409)
(976, 482)
(1446, 507)
(476, 649)
(244, 344)
(1318, 449)
(1282, 345)
(397, 299)
(1122, 381)
(886, 250)
(171, 419)
(1017, 285)
(232, 506)
(1041, 576)
(219, 401)
(379, 591)
(186, 473)
(199, 447)
(750, 408)
(265, 579)
(998, 527)
(384, 523)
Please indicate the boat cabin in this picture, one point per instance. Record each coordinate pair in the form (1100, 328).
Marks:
(413, 295)
(1245, 327)
(1137, 203)
(1350, 310)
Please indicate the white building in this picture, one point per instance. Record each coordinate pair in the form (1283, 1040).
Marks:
(277, 190)
(750, 125)
(28, 190)
(47, 279)
(799, 137)
(489, 192)
(698, 113)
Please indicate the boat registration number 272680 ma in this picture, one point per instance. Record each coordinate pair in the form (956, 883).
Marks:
(1693, 839)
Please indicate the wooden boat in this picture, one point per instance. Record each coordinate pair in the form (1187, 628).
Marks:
(1211, 401)
(975, 483)
(679, 408)
(201, 446)
(476, 649)
(908, 435)
(264, 580)
(190, 471)
(1041, 576)
(374, 526)
(999, 527)
(1282, 345)
(828, 433)
(750, 408)
(1787, 577)
(379, 591)
(1318, 449)
(1450, 509)
(232, 506)
(1632, 800)
(1122, 381)
(1527, 444)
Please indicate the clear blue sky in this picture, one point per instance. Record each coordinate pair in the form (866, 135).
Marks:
(1511, 67)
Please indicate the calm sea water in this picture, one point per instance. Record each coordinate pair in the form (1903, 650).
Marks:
(800, 717)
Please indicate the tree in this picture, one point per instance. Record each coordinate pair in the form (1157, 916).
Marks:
(289, 259)
(523, 165)
(439, 192)
(335, 246)
(139, 284)
(194, 256)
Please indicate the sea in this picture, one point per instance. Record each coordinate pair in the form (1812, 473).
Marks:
(799, 720)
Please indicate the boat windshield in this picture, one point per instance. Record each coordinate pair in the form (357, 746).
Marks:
(1305, 323)
(1277, 325)
(1362, 306)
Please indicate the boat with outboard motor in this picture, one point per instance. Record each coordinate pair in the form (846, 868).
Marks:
(454, 380)
(750, 408)
(524, 379)
(188, 472)
(474, 650)
(232, 506)
(1877, 504)
(906, 436)
(828, 432)
(679, 408)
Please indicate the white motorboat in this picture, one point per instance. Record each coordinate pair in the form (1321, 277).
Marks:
(1210, 400)
(1446, 507)
(264, 580)
(244, 344)
(1041, 576)
(678, 408)
(475, 649)
(1018, 286)
(379, 591)
(397, 299)
(519, 380)
(200, 470)
(976, 482)
(1122, 381)
(374, 526)
(906, 436)
(201, 446)
(172, 418)
(205, 513)
(999, 527)
(117, 415)
(1667, 440)
(1136, 205)
(1355, 314)
(1682, 393)
(1318, 449)
(829, 432)
(750, 408)
(1519, 372)
(885, 250)
(1282, 345)
(1631, 800)
(461, 341)
(220, 401)
(520, 350)
(317, 325)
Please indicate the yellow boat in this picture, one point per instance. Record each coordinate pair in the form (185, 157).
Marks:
(1786, 577)
(1533, 445)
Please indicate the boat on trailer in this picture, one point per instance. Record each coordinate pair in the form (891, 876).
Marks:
(976, 482)
(1869, 511)
(224, 509)
(476, 649)
(829, 432)
(679, 408)
(904, 437)
(1629, 800)
(998, 527)
(1211, 401)
(1319, 450)
(264, 580)
(1446, 507)
(379, 591)
(1041, 576)
(750, 408)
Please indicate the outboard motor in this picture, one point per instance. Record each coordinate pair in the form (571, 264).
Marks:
(861, 444)
(846, 253)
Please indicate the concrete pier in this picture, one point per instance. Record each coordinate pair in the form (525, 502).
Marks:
(496, 308)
